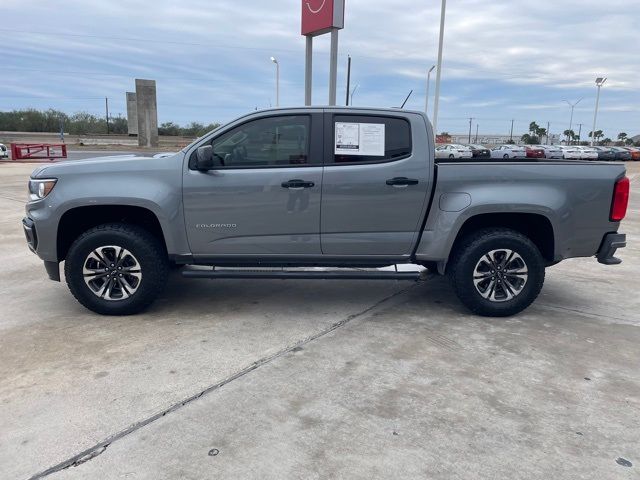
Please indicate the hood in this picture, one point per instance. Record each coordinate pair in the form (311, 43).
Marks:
(123, 163)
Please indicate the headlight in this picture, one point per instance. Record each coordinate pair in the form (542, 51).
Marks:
(38, 189)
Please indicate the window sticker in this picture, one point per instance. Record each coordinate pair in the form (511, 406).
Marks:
(360, 139)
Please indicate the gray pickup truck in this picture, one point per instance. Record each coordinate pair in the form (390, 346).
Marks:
(347, 189)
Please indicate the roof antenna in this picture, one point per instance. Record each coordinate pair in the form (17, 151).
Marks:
(405, 100)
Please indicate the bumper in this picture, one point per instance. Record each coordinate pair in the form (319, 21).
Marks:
(610, 243)
(29, 229)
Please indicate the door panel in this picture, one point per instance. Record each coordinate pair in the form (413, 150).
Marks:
(254, 203)
(249, 212)
(374, 208)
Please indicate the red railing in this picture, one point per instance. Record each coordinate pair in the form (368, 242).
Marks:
(38, 151)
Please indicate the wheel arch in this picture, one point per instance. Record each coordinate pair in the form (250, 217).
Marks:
(535, 226)
(77, 220)
(437, 246)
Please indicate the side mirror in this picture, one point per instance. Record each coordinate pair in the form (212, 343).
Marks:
(204, 158)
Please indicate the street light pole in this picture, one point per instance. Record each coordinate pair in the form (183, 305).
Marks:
(439, 72)
(572, 105)
(274, 60)
(470, 122)
(599, 82)
(426, 103)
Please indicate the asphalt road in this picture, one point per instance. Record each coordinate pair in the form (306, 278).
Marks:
(318, 379)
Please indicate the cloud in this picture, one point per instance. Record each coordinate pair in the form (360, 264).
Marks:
(503, 59)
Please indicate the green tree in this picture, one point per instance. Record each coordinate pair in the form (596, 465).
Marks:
(530, 139)
(569, 134)
(622, 136)
(596, 135)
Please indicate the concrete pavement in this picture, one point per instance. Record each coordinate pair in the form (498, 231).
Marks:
(318, 379)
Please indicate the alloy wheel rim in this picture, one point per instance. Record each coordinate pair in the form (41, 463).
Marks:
(112, 273)
(500, 275)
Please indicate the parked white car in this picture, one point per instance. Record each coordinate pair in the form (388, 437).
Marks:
(588, 153)
(453, 151)
(551, 151)
(4, 153)
(508, 151)
(571, 152)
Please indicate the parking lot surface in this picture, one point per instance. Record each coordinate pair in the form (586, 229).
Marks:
(318, 379)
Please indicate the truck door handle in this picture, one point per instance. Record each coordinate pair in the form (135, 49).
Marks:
(297, 184)
(402, 181)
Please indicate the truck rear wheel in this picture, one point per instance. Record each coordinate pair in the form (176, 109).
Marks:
(116, 269)
(497, 272)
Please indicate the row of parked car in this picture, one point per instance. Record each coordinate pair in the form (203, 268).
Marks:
(507, 152)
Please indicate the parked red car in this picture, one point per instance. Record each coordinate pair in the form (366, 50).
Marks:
(635, 152)
(534, 152)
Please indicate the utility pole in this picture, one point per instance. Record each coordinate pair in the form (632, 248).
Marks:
(511, 134)
(579, 131)
(348, 78)
(476, 140)
(470, 122)
(548, 127)
(106, 106)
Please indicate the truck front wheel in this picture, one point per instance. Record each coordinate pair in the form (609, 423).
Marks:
(497, 272)
(116, 269)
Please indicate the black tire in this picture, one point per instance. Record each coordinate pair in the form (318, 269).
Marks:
(469, 252)
(451, 156)
(146, 249)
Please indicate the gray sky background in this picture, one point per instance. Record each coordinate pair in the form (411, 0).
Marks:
(504, 59)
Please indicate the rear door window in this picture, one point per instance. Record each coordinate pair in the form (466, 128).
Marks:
(358, 139)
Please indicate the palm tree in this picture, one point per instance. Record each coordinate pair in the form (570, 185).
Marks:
(569, 134)
(596, 135)
(622, 136)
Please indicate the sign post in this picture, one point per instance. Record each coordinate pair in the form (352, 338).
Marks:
(320, 17)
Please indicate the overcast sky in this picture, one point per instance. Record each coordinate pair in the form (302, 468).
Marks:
(503, 59)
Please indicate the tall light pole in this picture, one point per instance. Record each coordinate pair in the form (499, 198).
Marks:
(443, 10)
(274, 60)
(572, 105)
(599, 82)
(426, 103)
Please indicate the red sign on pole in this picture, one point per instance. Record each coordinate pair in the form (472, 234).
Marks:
(320, 16)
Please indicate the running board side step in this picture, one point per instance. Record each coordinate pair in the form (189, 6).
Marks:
(305, 275)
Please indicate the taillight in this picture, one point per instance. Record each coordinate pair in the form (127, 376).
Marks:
(620, 200)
